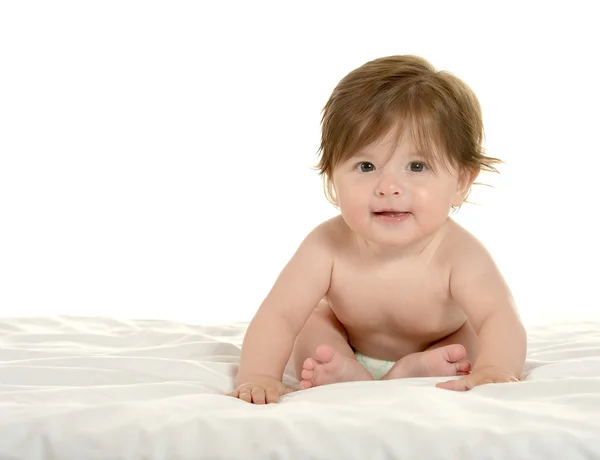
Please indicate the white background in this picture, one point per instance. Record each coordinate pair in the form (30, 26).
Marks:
(155, 157)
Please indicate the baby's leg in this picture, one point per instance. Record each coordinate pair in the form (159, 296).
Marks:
(464, 336)
(321, 353)
(451, 355)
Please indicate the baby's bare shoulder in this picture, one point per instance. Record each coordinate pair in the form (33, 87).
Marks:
(464, 250)
(461, 245)
(331, 233)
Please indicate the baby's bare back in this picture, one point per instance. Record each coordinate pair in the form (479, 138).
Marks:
(394, 308)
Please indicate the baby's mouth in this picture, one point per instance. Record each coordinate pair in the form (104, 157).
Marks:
(390, 213)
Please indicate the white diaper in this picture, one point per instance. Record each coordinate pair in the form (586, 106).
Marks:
(376, 367)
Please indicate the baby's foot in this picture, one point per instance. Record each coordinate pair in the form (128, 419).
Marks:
(443, 361)
(328, 366)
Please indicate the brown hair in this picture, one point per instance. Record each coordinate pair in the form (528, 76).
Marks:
(441, 111)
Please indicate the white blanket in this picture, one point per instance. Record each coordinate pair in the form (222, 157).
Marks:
(100, 388)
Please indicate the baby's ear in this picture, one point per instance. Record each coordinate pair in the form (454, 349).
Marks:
(465, 180)
(330, 193)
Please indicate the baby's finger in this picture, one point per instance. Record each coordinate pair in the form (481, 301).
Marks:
(288, 390)
(245, 395)
(258, 395)
(507, 379)
(455, 385)
(272, 395)
(234, 393)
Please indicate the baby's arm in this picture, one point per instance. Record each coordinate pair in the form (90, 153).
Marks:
(477, 285)
(300, 286)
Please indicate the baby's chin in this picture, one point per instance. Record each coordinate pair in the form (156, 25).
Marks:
(394, 243)
(400, 240)
(407, 237)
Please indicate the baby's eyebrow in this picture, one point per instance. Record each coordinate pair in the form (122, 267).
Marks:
(371, 154)
(364, 153)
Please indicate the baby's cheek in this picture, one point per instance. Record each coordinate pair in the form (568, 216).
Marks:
(352, 202)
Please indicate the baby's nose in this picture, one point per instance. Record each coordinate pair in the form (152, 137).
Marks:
(389, 186)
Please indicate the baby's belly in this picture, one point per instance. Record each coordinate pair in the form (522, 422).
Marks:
(392, 340)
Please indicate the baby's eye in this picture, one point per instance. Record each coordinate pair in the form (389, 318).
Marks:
(365, 166)
(417, 166)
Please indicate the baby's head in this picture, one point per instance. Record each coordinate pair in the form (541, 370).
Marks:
(397, 134)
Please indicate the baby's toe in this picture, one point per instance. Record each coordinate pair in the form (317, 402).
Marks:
(325, 353)
(453, 353)
(307, 374)
(306, 384)
(309, 364)
(463, 367)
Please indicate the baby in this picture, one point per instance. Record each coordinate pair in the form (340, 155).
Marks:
(392, 287)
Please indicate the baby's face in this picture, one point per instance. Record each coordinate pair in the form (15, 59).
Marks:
(388, 193)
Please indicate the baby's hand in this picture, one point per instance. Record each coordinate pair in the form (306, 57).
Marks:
(259, 389)
(479, 376)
